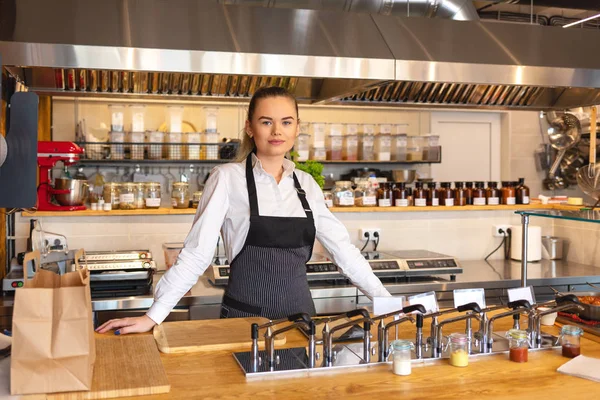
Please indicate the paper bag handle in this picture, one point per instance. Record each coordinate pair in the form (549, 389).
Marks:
(34, 256)
(78, 255)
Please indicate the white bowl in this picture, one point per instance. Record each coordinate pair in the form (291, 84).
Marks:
(548, 319)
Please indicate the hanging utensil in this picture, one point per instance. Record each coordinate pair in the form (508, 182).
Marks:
(564, 133)
(588, 177)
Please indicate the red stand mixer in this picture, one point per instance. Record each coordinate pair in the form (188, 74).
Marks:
(49, 153)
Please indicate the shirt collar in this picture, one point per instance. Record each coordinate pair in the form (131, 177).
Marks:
(288, 166)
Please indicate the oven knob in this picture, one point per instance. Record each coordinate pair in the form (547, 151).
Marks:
(146, 264)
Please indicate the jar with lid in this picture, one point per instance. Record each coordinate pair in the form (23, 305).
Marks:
(334, 147)
(460, 194)
(196, 199)
(431, 149)
(383, 147)
(365, 195)
(400, 195)
(111, 194)
(328, 198)
(180, 196)
(401, 357)
(127, 196)
(343, 195)
(479, 194)
(433, 195)
(570, 339)
(384, 195)
(419, 195)
(350, 149)
(366, 147)
(469, 188)
(446, 194)
(152, 198)
(493, 194)
(398, 147)
(518, 345)
(522, 192)
(508, 194)
(140, 195)
(459, 353)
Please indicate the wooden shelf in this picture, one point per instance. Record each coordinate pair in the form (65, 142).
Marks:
(111, 213)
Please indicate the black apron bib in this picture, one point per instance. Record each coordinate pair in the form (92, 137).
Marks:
(268, 276)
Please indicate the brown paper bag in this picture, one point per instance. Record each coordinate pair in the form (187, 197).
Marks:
(53, 348)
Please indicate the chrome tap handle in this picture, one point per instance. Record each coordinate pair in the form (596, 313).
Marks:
(254, 351)
(413, 308)
(419, 338)
(519, 303)
(469, 307)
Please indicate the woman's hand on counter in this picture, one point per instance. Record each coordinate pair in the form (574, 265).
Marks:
(124, 326)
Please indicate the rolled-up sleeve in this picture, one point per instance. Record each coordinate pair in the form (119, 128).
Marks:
(198, 250)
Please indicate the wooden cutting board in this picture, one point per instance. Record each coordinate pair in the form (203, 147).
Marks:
(209, 335)
(125, 366)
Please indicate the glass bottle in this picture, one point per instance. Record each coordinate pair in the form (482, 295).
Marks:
(127, 196)
(522, 192)
(446, 194)
(365, 195)
(152, 197)
(460, 194)
(111, 194)
(518, 345)
(409, 192)
(401, 357)
(469, 188)
(508, 194)
(419, 195)
(570, 340)
(384, 195)
(478, 194)
(433, 198)
(343, 195)
(180, 196)
(196, 199)
(493, 194)
(400, 195)
(459, 355)
(140, 195)
(328, 198)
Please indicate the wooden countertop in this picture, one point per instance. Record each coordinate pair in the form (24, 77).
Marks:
(217, 375)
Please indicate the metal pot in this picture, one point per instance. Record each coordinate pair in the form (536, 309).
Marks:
(404, 175)
(78, 191)
(590, 312)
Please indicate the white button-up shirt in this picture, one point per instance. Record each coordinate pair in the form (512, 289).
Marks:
(224, 207)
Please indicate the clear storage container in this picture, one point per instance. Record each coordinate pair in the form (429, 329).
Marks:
(400, 129)
(302, 146)
(137, 145)
(350, 150)
(153, 195)
(127, 194)
(401, 357)
(193, 140)
(366, 147)
(212, 145)
(196, 199)
(173, 146)
(211, 114)
(518, 345)
(180, 196)
(155, 145)
(334, 147)
(318, 134)
(431, 149)
(368, 129)
(305, 127)
(343, 195)
(398, 147)
(318, 154)
(175, 119)
(336, 129)
(117, 117)
(459, 354)
(117, 148)
(570, 338)
(385, 129)
(351, 129)
(383, 147)
(138, 116)
(140, 195)
(365, 195)
(415, 148)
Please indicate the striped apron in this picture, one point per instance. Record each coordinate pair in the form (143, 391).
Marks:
(268, 276)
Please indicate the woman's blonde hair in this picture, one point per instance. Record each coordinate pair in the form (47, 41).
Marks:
(248, 145)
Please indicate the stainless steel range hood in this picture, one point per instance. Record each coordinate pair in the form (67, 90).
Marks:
(197, 49)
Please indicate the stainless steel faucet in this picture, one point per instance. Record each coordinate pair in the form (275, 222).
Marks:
(474, 314)
(564, 303)
(328, 336)
(382, 329)
(517, 308)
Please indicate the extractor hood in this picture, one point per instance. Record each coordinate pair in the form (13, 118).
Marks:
(196, 49)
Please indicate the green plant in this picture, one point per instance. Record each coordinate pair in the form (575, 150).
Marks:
(314, 168)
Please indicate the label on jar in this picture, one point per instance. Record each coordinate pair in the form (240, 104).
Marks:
(346, 201)
(449, 202)
(435, 201)
(385, 202)
(329, 203)
(126, 198)
(152, 202)
(493, 201)
(401, 202)
(384, 156)
(511, 201)
(352, 141)
(479, 201)
(368, 141)
(369, 201)
(420, 202)
(303, 155)
(174, 202)
(351, 129)
(525, 199)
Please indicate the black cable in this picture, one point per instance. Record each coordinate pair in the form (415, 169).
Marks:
(496, 249)
(376, 234)
(508, 245)
(368, 235)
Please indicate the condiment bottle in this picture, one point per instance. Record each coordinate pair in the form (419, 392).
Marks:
(419, 195)
(479, 194)
(522, 192)
(493, 194)
(384, 195)
(433, 195)
(401, 357)
(400, 195)
(460, 194)
(469, 186)
(459, 355)
(518, 345)
(570, 339)
(446, 194)
(409, 192)
(508, 194)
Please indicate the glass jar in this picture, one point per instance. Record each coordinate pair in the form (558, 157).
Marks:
(140, 195)
(383, 147)
(328, 197)
(127, 196)
(508, 194)
(365, 195)
(180, 197)
(343, 195)
(419, 195)
(366, 147)
(196, 199)
(518, 345)
(431, 149)
(350, 150)
(400, 195)
(401, 353)
(479, 194)
(446, 194)
(459, 353)
(152, 198)
(460, 194)
(399, 143)
(384, 194)
(433, 195)
(522, 192)
(493, 194)
(334, 147)
(111, 194)
(302, 146)
(570, 338)
(469, 189)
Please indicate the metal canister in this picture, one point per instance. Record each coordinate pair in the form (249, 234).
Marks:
(140, 82)
(114, 81)
(93, 80)
(82, 80)
(205, 87)
(185, 83)
(104, 80)
(175, 84)
(552, 247)
(155, 82)
(164, 83)
(196, 79)
(71, 79)
(126, 81)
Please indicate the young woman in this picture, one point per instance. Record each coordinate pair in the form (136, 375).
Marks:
(269, 216)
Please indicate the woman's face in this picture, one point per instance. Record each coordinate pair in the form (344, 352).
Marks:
(274, 126)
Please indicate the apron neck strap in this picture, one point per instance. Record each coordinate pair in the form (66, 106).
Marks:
(302, 197)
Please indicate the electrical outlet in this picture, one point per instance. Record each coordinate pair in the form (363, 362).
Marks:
(497, 229)
(365, 232)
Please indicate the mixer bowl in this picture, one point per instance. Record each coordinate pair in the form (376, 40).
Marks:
(404, 175)
(78, 191)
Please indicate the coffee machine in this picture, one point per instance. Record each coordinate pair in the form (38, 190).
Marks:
(49, 153)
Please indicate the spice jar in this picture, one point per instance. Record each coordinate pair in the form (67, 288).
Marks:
(459, 354)
(400, 195)
(384, 195)
(409, 193)
(401, 353)
(570, 339)
(140, 195)
(493, 194)
(522, 192)
(460, 194)
(127, 196)
(152, 197)
(111, 194)
(446, 194)
(365, 195)
(419, 195)
(196, 199)
(180, 197)
(328, 198)
(343, 195)
(508, 194)
(433, 195)
(469, 189)
(478, 194)
(518, 345)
